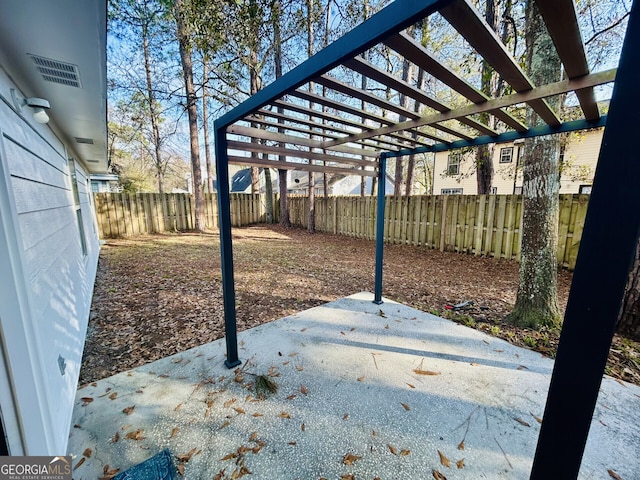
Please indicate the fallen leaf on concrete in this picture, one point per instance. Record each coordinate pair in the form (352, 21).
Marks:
(228, 403)
(425, 372)
(522, 367)
(404, 452)
(185, 457)
(178, 407)
(292, 396)
(381, 314)
(113, 396)
(347, 476)
(444, 460)
(174, 432)
(461, 445)
(128, 410)
(220, 475)
(284, 415)
(437, 475)
(181, 469)
(137, 435)
(299, 368)
(411, 385)
(304, 390)
(538, 419)
(293, 443)
(115, 438)
(256, 414)
(405, 406)
(239, 410)
(460, 463)
(87, 452)
(361, 379)
(224, 424)
(613, 474)
(345, 416)
(302, 427)
(86, 401)
(522, 422)
(79, 463)
(350, 459)
(392, 449)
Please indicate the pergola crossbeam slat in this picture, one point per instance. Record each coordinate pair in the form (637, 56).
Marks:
(289, 152)
(365, 96)
(414, 52)
(294, 140)
(380, 76)
(307, 167)
(562, 24)
(467, 21)
(380, 141)
(501, 102)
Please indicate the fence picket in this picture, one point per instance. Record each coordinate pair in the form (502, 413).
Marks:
(482, 225)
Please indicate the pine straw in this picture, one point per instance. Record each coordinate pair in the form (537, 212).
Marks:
(159, 295)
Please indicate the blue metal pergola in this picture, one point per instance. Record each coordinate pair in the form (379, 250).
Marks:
(283, 121)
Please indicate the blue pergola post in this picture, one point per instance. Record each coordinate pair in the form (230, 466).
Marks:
(605, 257)
(226, 249)
(382, 180)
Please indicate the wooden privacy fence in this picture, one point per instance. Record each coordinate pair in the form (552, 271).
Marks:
(125, 215)
(474, 224)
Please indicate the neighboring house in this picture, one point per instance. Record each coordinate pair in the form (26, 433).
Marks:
(455, 171)
(53, 51)
(104, 183)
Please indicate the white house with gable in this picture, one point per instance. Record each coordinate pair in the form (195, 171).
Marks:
(52, 138)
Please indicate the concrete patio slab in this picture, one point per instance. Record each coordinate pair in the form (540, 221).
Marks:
(371, 391)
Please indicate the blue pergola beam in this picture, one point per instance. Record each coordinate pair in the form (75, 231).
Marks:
(572, 126)
(226, 251)
(382, 181)
(397, 16)
(606, 254)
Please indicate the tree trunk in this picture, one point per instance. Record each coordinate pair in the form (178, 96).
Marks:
(311, 226)
(629, 322)
(192, 111)
(205, 127)
(488, 80)
(153, 114)
(537, 299)
(282, 174)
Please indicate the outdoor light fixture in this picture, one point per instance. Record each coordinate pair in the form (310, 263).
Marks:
(39, 106)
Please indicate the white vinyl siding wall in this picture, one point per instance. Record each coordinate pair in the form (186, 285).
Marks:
(52, 270)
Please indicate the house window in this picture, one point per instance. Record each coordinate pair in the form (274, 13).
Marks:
(520, 156)
(451, 191)
(585, 188)
(453, 164)
(517, 190)
(77, 207)
(506, 155)
(494, 190)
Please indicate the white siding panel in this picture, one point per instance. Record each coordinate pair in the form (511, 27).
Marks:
(22, 134)
(38, 226)
(45, 143)
(60, 305)
(24, 164)
(52, 270)
(31, 196)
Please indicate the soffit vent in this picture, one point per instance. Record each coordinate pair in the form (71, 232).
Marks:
(88, 141)
(57, 72)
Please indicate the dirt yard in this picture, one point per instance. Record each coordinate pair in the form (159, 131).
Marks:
(159, 295)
